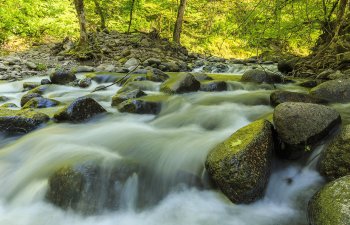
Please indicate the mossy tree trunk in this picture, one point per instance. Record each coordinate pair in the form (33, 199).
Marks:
(79, 7)
(131, 14)
(100, 13)
(179, 21)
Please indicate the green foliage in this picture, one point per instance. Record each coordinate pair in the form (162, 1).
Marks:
(221, 27)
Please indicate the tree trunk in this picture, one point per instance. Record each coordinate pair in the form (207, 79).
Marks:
(131, 12)
(342, 10)
(79, 7)
(179, 21)
(101, 14)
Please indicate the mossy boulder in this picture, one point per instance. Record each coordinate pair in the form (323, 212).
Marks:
(201, 76)
(80, 110)
(40, 102)
(261, 76)
(20, 121)
(140, 106)
(25, 98)
(335, 158)
(121, 97)
(90, 188)
(180, 83)
(30, 85)
(156, 75)
(212, 86)
(62, 77)
(279, 97)
(302, 125)
(9, 105)
(84, 83)
(240, 166)
(331, 205)
(333, 90)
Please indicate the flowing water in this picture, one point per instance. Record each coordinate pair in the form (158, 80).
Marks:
(171, 146)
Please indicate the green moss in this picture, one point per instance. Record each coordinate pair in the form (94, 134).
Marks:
(221, 77)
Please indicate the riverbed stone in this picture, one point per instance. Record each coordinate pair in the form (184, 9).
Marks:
(25, 98)
(156, 75)
(240, 166)
(41, 102)
(139, 106)
(30, 85)
(181, 83)
(123, 96)
(302, 125)
(279, 97)
(212, 86)
(20, 121)
(334, 161)
(131, 63)
(84, 83)
(331, 205)
(62, 77)
(333, 91)
(80, 110)
(261, 76)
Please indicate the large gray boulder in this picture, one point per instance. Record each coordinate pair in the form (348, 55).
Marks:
(181, 83)
(261, 76)
(331, 205)
(335, 159)
(62, 77)
(80, 110)
(301, 125)
(333, 91)
(240, 166)
(20, 121)
(279, 97)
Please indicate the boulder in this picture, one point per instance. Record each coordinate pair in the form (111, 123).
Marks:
(260, 76)
(62, 77)
(334, 161)
(333, 91)
(201, 76)
(139, 106)
(285, 67)
(240, 166)
(84, 83)
(182, 83)
(156, 75)
(331, 205)
(80, 110)
(20, 121)
(45, 81)
(279, 97)
(302, 125)
(211, 86)
(169, 67)
(25, 98)
(121, 97)
(30, 85)
(131, 63)
(41, 102)
(154, 62)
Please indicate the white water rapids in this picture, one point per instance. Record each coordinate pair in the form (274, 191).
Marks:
(175, 141)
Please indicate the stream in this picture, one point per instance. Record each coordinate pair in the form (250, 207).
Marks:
(172, 146)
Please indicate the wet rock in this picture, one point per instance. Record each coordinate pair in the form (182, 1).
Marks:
(45, 81)
(25, 98)
(40, 102)
(91, 188)
(240, 166)
(333, 91)
(211, 86)
(30, 85)
(201, 76)
(62, 77)
(334, 161)
(169, 67)
(4, 99)
(154, 62)
(84, 83)
(139, 106)
(9, 105)
(80, 110)
(309, 84)
(121, 97)
(285, 67)
(84, 69)
(279, 97)
(181, 83)
(156, 75)
(131, 63)
(331, 204)
(144, 85)
(260, 76)
(302, 125)
(20, 121)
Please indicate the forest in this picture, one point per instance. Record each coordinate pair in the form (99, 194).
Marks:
(175, 112)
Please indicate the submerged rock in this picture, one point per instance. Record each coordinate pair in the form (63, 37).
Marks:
(80, 110)
(211, 86)
(240, 166)
(301, 125)
(334, 161)
(62, 77)
(139, 106)
(331, 205)
(40, 102)
(260, 76)
(182, 83)
(20, 121)
(121, 97)
(333, 91)
(279, 97)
